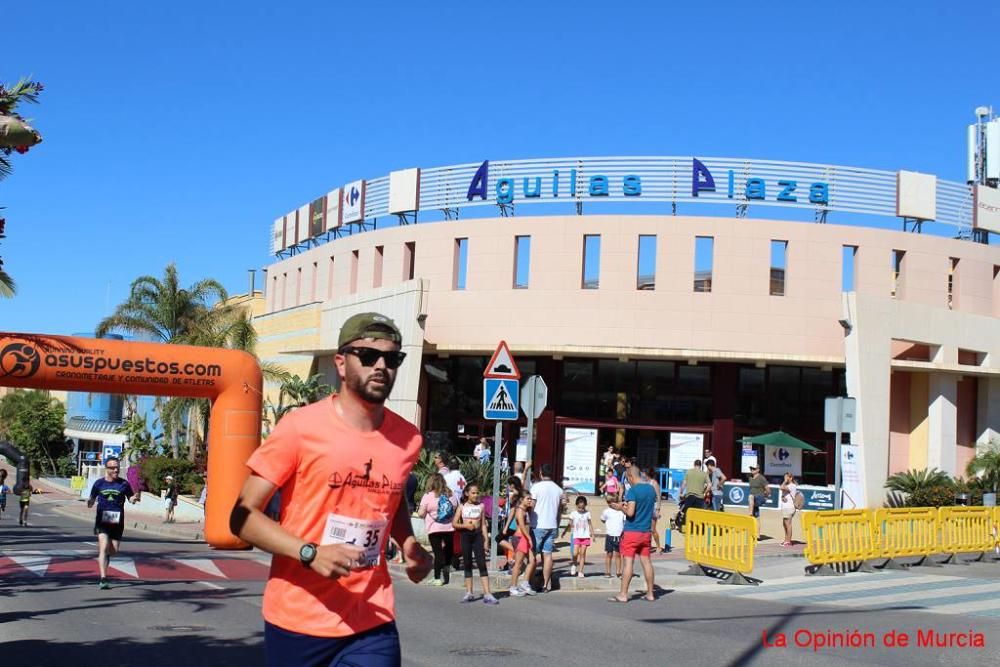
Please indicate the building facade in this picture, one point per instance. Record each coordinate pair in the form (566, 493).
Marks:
(648, 326)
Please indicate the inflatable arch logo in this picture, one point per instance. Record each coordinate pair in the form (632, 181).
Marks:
(229, 378)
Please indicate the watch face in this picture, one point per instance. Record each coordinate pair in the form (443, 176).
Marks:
(307, 553)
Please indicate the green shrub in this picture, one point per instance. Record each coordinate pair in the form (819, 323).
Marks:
(941, 495)
(154, 470)
(914, 480)
(66, 466)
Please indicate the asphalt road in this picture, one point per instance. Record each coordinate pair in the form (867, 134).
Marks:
(181, 611)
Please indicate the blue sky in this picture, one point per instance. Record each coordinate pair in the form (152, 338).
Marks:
(177, 132)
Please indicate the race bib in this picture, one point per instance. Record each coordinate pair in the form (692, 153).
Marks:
(369, 535)
(111, 516)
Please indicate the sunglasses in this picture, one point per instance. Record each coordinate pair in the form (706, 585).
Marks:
(112, 467)
(368, 356)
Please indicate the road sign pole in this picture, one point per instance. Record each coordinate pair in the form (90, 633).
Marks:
(527, 455)
(495, 514)
(838, 473)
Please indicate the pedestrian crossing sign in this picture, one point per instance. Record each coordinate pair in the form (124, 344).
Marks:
(500, 399)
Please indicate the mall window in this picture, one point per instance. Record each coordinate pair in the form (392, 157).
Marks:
(329, 279)
(779, 258)
(848, 258)
(591, 261)
(522, 261)
(298, 287)
(751, 398)
(952, 279)
(377, 273)
(354, 271)
(898, 262)
(312, 283)
(704, 247)
(460, 263)
(409, 256)
(645, 272)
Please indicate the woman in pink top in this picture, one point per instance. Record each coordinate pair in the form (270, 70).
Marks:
(438, 517)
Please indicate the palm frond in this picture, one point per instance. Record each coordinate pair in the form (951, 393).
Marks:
(7, 285)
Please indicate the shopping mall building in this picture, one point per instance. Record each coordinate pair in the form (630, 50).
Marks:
(665, 299)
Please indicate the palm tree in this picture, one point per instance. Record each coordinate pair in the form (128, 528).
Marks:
(162, 308)
(15, 134)
(986, 466)
(164, 311)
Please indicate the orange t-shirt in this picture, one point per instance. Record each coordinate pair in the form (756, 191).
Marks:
(323, 466)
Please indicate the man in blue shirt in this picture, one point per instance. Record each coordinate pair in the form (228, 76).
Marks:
(638, 506)
(110, 494)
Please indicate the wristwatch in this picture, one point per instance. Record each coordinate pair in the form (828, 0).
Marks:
(307, 554)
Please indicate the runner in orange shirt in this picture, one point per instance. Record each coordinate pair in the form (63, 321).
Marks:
(341, 465)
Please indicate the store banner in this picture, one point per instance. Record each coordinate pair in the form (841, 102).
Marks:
(685, 449)
(851, 482)
(748, 458)
(580, 459)
(736, 494)
(779, 460)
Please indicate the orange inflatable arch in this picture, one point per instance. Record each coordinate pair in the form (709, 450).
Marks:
(229, 378)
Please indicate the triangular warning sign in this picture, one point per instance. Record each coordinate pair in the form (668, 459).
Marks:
(501, 400)
(502, 364)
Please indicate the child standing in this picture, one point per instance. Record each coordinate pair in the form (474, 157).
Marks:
(523, 550)
(614, 526)
(470, 524)
(579, 520)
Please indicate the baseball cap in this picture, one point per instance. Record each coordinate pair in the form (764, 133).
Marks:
(754, 468)
(369, 325)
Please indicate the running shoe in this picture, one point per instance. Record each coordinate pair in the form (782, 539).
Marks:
(103, 584)
(528, 590)
(437, 582)
(489, 599)
(572, 570)
(516, 592)
(468, 597)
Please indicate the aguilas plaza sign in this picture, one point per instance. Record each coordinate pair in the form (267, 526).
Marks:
(630, 185)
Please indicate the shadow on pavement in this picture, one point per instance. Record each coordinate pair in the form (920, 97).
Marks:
(173, 648)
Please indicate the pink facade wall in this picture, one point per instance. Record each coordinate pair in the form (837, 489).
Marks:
(737, 320)
(899, 423)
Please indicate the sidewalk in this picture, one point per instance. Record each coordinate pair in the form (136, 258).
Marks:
(67, 502)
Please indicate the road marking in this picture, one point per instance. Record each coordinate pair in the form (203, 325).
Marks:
(126, 565)
(209, 584)
(203, 564)
(37, 564)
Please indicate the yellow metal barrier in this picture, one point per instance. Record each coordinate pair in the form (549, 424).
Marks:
(838, 536)
(966, 529)
(910, 531)
(720, 540)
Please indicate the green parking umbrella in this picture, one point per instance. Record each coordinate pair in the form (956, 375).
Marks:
(779, 439)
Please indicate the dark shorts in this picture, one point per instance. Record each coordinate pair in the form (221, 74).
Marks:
(112, 530)
(378, 647)
(758, 502)
(612, 545)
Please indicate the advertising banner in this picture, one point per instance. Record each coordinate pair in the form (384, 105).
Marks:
(580, 459)
(317, 216)
(736, 494)
(748, 458)
(353, 206)
(522, 445)
(850, 471)
(779, 460)
(685, 449)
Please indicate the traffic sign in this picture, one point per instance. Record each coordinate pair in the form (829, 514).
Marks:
(839, 414)
(500, 399)
(111, 450)
(536, 396)
(502, 364)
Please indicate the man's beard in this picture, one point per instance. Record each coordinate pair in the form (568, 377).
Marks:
(368, 391)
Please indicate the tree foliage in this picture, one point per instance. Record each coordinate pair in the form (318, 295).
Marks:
(295, 393)
(986, 467)
(913, 480)
(33, 422)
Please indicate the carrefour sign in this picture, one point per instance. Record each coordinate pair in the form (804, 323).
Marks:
(550, 185)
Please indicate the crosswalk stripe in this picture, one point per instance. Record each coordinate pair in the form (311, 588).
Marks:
(204, 565)
(36, 564)
(126, 565)
(967, 604)
(918, 592)
(866, 584)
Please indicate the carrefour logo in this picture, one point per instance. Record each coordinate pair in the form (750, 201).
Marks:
(781, 454)
(353, 196)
